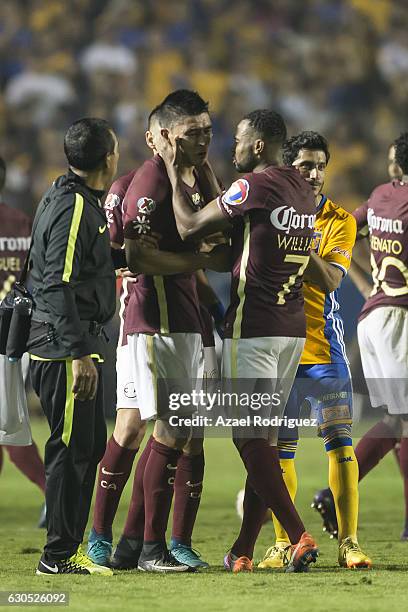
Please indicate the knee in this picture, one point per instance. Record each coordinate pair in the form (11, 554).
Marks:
(395, 423)
(129, 428)
(173, 437)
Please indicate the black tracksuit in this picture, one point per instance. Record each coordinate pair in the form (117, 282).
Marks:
(72, 280)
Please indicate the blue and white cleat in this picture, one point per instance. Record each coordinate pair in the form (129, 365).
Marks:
(99, 548)
(187, 555)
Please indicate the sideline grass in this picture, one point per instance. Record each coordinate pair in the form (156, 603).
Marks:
(326, 587)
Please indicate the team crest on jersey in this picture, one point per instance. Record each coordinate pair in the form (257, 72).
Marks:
(316, 240)
(141, 224)
(112, 200)
(237, 193)
(146, 205)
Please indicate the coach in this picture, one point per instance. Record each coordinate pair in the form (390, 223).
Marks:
(73, 286)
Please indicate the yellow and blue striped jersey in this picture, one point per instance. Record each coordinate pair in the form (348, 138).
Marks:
(334, 237)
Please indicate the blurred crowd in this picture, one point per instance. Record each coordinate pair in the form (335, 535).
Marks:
(337, 66)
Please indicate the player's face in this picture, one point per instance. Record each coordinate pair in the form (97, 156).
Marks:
(112, 162)
(244, 158)
(394, 170)
(194, 134)
(312, 166)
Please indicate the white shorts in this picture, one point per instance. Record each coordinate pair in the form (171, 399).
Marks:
(126, 396)
(383, 340)
(274, 359)
(163, 364)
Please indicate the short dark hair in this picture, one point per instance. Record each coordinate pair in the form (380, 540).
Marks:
(313, 141)
(154, 114)
(269, 125)
(87, 142)
(2, 173)
(401, 152)
(181, 103)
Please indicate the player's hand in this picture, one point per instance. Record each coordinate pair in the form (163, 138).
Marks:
(220, 259)
(85, 378)
(171, 153)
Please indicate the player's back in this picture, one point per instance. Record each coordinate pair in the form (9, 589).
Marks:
(387, 217)
(274, 215)
(15, 231)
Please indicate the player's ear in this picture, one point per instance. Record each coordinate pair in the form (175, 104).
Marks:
(259, 146)
(149, 140)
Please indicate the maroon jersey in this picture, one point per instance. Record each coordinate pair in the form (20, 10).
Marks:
(113, 207)
(386, 215)
(273, 214)
(15, 232)
(160, 304)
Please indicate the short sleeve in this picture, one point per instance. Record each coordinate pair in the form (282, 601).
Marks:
(339, 247)
(148, 188)
(113, 211)
(243, 195)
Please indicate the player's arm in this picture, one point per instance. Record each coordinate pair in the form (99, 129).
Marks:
(323, 274)
(208, 181)
(327, 269)
(146, 260)
(190, 223)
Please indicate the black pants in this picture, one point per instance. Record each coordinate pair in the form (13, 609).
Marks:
(72, 453)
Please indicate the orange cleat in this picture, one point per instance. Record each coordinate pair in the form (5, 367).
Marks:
(303, 553)
(237, 564)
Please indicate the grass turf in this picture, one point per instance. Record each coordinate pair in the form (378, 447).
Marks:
(325, 587)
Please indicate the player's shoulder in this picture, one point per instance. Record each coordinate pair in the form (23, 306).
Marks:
(151, 172)
(334, 210)
(120, 185)
(14, 215)
(386, 190)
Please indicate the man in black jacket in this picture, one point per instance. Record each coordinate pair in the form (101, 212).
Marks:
(73, 286)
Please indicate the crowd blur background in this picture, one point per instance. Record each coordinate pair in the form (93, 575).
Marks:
(336, 66)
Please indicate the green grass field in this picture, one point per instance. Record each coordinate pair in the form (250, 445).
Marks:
(326, 587)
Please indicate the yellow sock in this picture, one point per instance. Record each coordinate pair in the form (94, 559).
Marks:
(343, 482)
(290, 478)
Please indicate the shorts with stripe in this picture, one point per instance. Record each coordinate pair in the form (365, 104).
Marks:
(163, 364)
(261, 365)
(327, 387)
(76, 445)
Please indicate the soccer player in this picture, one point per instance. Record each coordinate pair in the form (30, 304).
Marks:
(323, 376)
(271, 213)
(122, 447)
(382, 328)
(15, 231)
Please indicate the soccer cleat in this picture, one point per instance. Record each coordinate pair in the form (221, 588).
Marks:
(42, 521)
(235, 564)
(78, 563)
(187, 555)
(164, 564)
(404, 535)
(99, 548)
(276, 556)
(323, 503)
(351, 555)
(302, 554)
(127, 553)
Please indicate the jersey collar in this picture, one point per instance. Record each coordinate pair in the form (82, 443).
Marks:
(321, 203)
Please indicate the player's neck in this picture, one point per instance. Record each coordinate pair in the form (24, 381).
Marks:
(93, 180)
(187, 176)
(260, 167)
